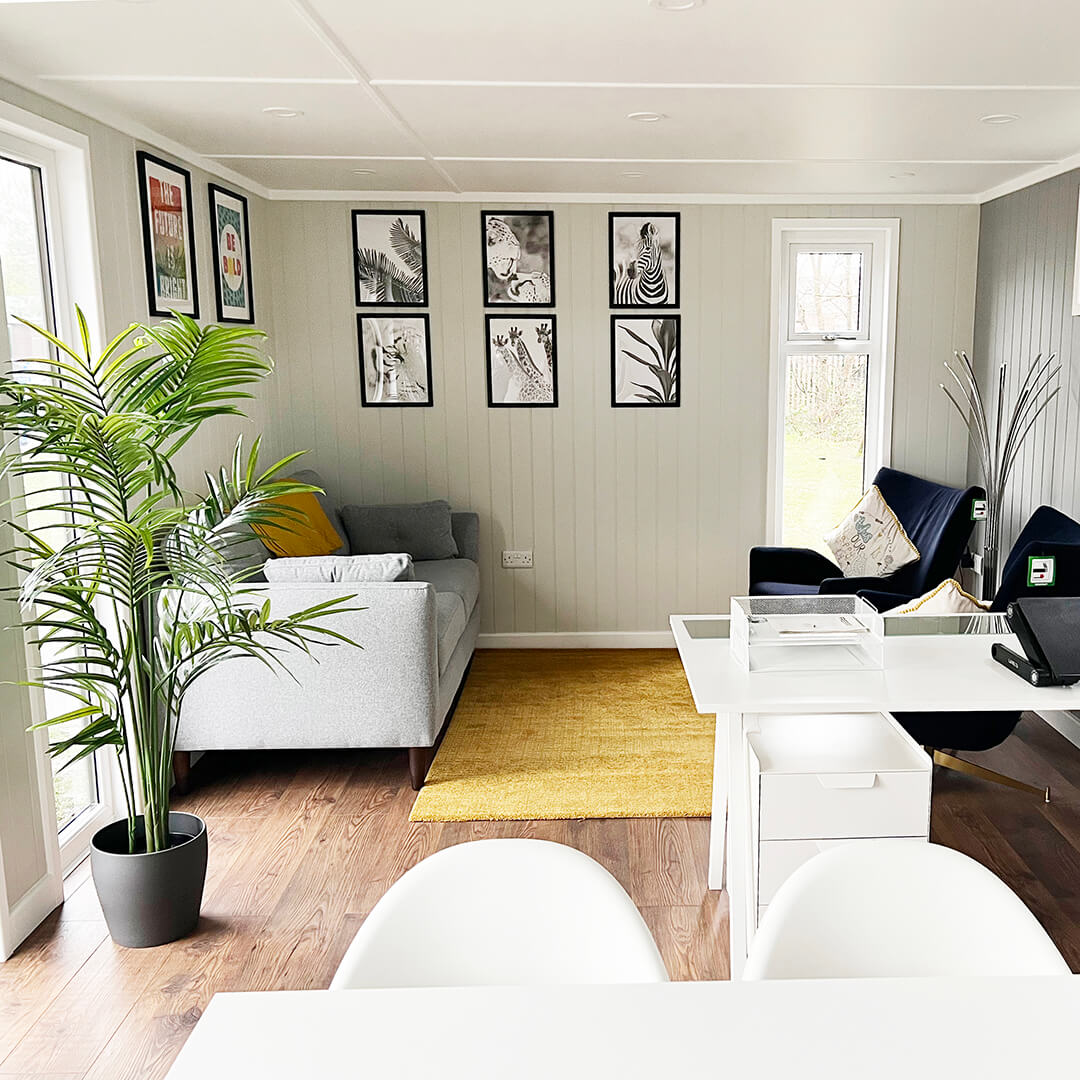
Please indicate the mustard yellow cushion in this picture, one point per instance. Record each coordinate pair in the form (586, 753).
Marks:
(302, 534)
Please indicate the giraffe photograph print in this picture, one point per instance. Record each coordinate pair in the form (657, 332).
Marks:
(519, 257)
(643, 252)
(521, 362)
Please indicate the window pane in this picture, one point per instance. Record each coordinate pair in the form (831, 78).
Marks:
(828, 290)
(824, 433)
(23, 265)
(21, 256)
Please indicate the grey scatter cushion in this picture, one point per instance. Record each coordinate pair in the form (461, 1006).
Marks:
(244, 555)
(333, 515)
(421, 529)
(329, 568)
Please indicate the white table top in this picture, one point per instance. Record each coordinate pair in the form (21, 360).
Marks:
(888, 1029)
(946, 673)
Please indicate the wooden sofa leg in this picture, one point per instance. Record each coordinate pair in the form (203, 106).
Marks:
(420, 759)
(181, 766)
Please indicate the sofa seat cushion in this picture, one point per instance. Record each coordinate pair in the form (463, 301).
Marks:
(450, 623)
(461, 576)
(782, 588)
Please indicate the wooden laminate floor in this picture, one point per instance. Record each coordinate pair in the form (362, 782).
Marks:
(302, 845)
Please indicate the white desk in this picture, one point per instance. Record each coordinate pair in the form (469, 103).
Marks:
(924, 672)
(888, 1029)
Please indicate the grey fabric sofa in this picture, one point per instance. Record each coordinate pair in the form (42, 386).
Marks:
(417, 640)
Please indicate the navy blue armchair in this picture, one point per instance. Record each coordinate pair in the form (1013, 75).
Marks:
(1048, 532)
(936, 518)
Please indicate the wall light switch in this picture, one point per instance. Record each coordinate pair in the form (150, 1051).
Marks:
(517, 560)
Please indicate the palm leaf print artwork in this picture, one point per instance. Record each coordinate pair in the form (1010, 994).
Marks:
(645, 364)
(390, 258)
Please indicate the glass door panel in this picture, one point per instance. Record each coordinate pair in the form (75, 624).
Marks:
(27, 293)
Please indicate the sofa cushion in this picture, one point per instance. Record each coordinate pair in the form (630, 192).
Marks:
(421, 529)
(310, 476)
(450, 623)
(461, 576)
(244, 555)
(870, 541)
(322, 568)
(305, 532)
(948, 598)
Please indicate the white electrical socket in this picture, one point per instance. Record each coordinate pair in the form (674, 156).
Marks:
(517, 560)
(977, 562)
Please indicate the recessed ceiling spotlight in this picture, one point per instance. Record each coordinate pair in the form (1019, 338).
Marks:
(282, 112)
(999, 118)
(646, 117)
(676, 5)
(363, 172)
(633, 175)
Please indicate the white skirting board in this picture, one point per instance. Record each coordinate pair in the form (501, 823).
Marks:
(589, 639)
(1067, 723)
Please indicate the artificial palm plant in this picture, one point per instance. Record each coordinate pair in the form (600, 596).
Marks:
(127, 586)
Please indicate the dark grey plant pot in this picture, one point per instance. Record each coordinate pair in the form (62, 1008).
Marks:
(150, 898)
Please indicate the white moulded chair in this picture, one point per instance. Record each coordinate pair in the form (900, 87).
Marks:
(897, 908)
(502, 912)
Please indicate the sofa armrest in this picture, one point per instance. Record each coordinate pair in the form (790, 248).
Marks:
(384, 693)
(883, 601)
(793, 566)
(845, 586)
(465, 526)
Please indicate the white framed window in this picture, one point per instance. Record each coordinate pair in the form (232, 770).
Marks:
(833, 337)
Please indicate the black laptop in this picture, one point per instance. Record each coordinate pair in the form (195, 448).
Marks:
(1048, 629)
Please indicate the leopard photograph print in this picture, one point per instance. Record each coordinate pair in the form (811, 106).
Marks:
(519, 257)
(521, 362)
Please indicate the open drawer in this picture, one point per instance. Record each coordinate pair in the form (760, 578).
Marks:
(836, 776)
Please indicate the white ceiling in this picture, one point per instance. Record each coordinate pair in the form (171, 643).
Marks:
(784, 98)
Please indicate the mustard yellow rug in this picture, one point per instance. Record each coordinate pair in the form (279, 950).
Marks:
(542, 734)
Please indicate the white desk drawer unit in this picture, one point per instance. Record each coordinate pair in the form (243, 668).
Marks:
(816, 781)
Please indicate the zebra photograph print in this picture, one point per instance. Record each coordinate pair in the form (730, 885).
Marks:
(643, 250)
(521, 369)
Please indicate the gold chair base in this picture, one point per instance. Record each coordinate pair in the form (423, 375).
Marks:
(948, 761)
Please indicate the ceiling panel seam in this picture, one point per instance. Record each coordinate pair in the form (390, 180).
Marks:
(337, 48)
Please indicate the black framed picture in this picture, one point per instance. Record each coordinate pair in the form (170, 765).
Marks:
(643, 260)
(395, 359)
(168, 230)
(646, 359)
(231, 241)
(522, 369)
(519, 257)
(390, 258)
